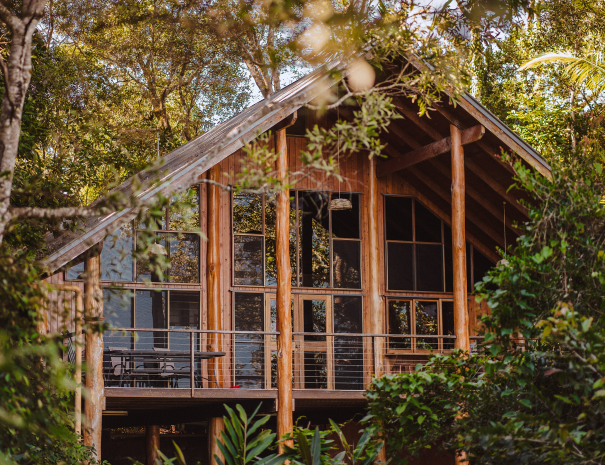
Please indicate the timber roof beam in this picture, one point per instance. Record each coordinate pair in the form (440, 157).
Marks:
(429, 151)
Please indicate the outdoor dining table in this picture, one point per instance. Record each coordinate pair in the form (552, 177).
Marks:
(130, 358)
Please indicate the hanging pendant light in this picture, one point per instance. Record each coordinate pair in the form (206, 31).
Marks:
(339, 203)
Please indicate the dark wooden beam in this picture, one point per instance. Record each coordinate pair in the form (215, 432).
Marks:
(412, 115)
(446, 195)
(418, 192)
(429, 151)
(495, 185)
(477, 197)
(404, 136)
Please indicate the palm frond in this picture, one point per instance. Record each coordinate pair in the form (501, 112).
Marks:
(586, 71)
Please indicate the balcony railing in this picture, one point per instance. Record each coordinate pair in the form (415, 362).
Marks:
(201, 359)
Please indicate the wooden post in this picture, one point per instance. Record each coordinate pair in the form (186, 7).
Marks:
(94, 403)
(215, 426)
(284, 297)
(459, 242)
(375, 306)
(215, 317)
(152, 443)
(213, 278)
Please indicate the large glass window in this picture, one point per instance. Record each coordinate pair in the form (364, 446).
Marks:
(325, 245)
(420, 317)
(419, 250)
(176, 238)
(414, 246)
(348, 350)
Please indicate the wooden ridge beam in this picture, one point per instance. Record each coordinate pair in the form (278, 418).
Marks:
(429, 151)
(446, 195)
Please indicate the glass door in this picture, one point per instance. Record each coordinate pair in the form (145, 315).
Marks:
(314, 361)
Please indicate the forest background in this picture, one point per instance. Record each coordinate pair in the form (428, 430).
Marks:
(114, 85)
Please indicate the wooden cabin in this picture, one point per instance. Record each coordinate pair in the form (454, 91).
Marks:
(374, 288)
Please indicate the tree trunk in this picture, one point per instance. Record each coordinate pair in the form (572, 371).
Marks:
(17, 76)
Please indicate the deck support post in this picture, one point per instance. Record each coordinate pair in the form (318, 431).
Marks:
(213, 282)
(213, 277)
(459, 242)
(284, 297)
(152, 443)
(215, 426)
(375, 306)
(461, 329)
(94, 402)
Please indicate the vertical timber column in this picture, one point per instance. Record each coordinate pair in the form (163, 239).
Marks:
(284, 295)
(374, 300)
(213, 277)
(459, 242)
(94, 403)
(215, 317)
(152, 443)
(215, 426)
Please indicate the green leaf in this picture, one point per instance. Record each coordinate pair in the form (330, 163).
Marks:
(316, 448)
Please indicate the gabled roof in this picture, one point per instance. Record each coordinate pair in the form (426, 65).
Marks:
(182, 167)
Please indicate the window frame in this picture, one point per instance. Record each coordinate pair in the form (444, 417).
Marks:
(414, 242)
(413, 340)
(294, 193)
(135, 230)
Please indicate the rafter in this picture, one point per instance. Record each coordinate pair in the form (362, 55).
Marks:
(445, 194)
(477, 197)
(491, 254)
(429, 151)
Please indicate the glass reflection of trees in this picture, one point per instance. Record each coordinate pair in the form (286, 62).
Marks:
(310, 241)
(420, 317)
(348, 350)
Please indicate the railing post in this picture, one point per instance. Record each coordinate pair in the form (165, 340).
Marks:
(192, 361)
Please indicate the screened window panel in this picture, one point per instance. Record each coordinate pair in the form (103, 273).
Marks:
(270, 257)
(248, 213)
(428, 226)
(426, 323)
(249, 359)
(348, 351)
(447, 323)
(429, 267)
(314, 319)
(151, 312)
(273, 316)
(400, 267)
(248, 260)
(116, 257)
(118, 311)
(184, 211)
(345, 223)
(346, 264)
(314, 239)
(398, 216)
(400, 322)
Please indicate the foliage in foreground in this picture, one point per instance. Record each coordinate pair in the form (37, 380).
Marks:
(36, 390)
(244, 442)
(539, 403)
